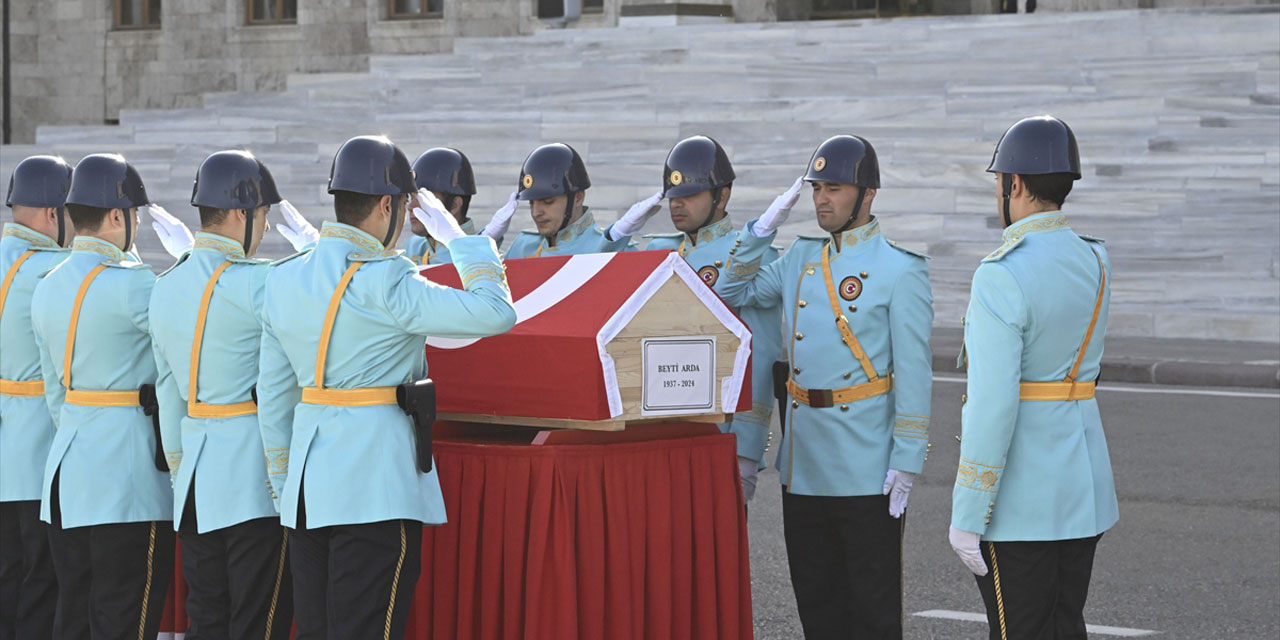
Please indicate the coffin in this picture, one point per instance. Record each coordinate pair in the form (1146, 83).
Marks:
(601, 341)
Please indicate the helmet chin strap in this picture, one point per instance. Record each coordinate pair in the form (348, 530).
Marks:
(857, 208)
(395, 223)
(128, 231)
(568, 211)
(248, 230)
(716, 194)
(1006, 191)
(61, 213)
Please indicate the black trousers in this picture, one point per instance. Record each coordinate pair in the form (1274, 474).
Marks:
(112, 578)
(1037, 590)
(238, 583)
(28, 588)
(845, 555)
(352, 582)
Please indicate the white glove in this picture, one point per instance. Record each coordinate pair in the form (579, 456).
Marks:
(777, 213)
(635, 217)
(965, 545)
(749, 470)
(897, 485)
(440, 224)
(497, 226)
(174, 235)
(295, 228)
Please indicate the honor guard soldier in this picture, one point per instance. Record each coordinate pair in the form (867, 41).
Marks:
(32, 245)
(697, 181)
(447, 174)
(106, 489)
(344, 332)
(858, 315)
(205, 336)
(554, 181)
(1034, 490)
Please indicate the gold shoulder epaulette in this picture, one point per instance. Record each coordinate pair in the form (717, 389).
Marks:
(918, 254)
(1003, 250)
(181, 259)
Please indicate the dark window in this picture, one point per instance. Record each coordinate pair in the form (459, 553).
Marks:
(272, 11)
(592, 6)
(840, 8)
(137, 14)
(415, 8)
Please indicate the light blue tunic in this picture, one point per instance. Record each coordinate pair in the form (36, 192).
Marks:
(1035, 470)
(883, 290)
(221, 456)
(26, 428)
(359, 461)
(105, 455)
(581, 236)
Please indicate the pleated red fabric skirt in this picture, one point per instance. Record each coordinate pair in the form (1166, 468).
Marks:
(622, 541)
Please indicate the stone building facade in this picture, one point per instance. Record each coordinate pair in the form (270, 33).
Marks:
(82, 61)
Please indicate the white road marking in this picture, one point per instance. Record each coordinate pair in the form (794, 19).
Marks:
(1123, 632)
(1184, 391)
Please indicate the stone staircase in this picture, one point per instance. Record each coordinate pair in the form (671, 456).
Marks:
(1177, 113)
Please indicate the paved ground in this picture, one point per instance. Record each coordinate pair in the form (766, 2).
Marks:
(1196, 553)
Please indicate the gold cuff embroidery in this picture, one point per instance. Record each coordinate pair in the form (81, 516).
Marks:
(743, 270)
(483, 271)
(174, 459)
(760, 414)
(978, 476)
(906, 426)
(277, 461)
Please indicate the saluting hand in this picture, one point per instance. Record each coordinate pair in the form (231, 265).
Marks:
(174, 235)
(501, 221)
(295, 228)
(777, 213)
(635, 217)
(440, 224)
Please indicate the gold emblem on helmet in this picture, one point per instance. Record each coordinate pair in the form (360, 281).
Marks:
(819, 164)
(527, 181)
(676, 178)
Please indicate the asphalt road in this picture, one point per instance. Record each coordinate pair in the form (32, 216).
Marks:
(1196, 553)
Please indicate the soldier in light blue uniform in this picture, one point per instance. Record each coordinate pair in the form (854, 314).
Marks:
(105, 489)
(206, 308)
(554, 181)
(697, 180)
(344, 331)
(858, 313)
(1034, 482)
(32, 245)
(447, 174)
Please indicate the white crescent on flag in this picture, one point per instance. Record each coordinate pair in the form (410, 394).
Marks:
(573, 274)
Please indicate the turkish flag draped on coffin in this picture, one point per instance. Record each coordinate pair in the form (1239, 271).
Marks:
(556, 363)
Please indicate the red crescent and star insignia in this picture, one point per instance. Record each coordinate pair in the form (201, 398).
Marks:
(850, 288)
(709, 275)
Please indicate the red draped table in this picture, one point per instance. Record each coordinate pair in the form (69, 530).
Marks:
(637, 534)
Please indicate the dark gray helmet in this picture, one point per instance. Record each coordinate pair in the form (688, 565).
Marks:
(1036, 146)
(106, 181)
(845, 159)
(234, 180)
(551, 170)
(39, 181)
(371, 165)
(695, 165)
(444, 170)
